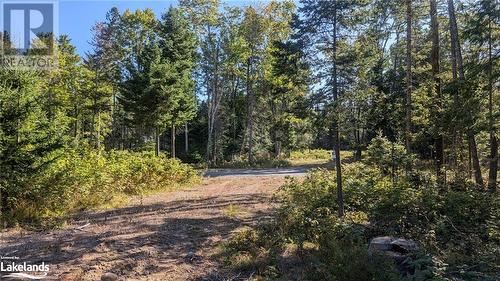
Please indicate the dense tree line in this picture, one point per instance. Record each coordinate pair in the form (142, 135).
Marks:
(261, 81)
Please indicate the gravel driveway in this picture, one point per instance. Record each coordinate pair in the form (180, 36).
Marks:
(167, 236)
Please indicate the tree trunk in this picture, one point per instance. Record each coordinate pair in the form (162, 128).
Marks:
(213, 95)
(157, 144)
(492, 177)
(436, 70)
(461, 75)
(172, 141)
(335, 127)
(453, 40)
(357, 136)
(409, 18)
(277, 148)
(250, 121)
(98, 131)
(186, 139)
(475, 159)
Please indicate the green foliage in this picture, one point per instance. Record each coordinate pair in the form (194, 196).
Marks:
(30, 136)
(311, 154)
(260, 161)
(389, 157)
(82, 180)
(456, 230)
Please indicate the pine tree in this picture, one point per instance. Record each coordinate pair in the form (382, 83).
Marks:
(29, 136)
(323, 23)
(457, 62)
(178, 45)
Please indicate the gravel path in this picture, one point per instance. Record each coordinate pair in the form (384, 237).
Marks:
(171, 236)
(294, 171)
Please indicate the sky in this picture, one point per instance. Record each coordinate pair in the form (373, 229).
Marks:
(76, 17)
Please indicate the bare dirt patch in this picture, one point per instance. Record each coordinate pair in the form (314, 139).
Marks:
(171, 236)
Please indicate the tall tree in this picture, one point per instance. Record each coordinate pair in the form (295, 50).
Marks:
(205, 17)
(287, 82)
(139, 43)
(436, 71)
(483, 34)
(322, 25)
(253, 33)
(409, 78)
(29, 136)
(457, 62)
(178, 45)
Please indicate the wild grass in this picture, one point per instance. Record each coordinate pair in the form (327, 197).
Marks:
(90, 180)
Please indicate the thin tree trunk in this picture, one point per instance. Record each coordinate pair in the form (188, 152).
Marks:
(172, 141)
(76, 129)
(234, 117)
(186, 139)
(492, 177)
(409, 18)
(98, 133)
(357, 136)
(209, 120)
(454, 40)
(250, 112)
(436, 70)
(157, 144)
(461, 75)
(475, 159)
(335, 131)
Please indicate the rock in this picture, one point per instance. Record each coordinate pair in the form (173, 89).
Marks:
(403, 246)
(397, 249)
(381, 244)
(108, 276)
(191, 257)
(391, 244)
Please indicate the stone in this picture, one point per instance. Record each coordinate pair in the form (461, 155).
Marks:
(397, 249)
(108, 276)
(388, 243)
(403, 246)
(381, 244)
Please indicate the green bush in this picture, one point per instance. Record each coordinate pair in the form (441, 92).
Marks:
(311, 154)
(78, 181)
(260, 161)
(389, 157)
(457, 230)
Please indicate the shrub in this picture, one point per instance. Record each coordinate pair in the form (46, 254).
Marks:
(457, 230)
(388, 156)
(260, 161)
(81, 180)
(308, 154)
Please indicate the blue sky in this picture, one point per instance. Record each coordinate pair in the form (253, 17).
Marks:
(76, 17)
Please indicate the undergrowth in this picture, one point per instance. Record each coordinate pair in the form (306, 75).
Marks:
(82, 180)
(457, 230)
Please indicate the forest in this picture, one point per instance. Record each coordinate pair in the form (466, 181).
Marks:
(399, 99)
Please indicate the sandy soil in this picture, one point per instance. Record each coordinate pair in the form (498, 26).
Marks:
(171, 236)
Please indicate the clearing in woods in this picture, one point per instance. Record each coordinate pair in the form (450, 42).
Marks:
(171, 236)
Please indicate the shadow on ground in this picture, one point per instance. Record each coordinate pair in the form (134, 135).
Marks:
(162, 239)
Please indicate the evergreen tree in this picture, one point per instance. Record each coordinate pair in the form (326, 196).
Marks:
(29, 137)
(178, 45)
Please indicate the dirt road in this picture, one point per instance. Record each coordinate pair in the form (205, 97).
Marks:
(294, 171)
(171, 236)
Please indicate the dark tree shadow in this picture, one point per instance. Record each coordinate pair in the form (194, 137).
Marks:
(133, 240)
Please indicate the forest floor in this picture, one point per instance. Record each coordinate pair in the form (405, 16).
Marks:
(167, 236)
